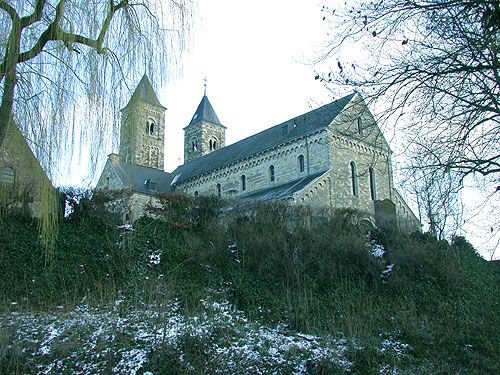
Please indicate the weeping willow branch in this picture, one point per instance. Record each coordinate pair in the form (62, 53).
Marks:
(67, 60)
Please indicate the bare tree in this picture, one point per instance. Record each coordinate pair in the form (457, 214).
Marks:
(435, 64)
(437, 194)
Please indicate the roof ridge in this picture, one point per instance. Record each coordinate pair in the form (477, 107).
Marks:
(264, 140)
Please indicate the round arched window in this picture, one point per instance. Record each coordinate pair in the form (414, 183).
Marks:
(150, 127)
(213, 144)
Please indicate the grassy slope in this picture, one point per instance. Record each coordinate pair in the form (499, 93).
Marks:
(277, 268)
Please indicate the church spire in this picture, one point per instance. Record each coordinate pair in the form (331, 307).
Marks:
(142, 131)
(145, 93)
(205, 112)
(205, 133)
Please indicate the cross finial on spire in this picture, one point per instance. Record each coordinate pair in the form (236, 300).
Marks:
(205, 86)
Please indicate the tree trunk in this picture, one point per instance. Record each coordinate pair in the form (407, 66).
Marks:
(9, 80)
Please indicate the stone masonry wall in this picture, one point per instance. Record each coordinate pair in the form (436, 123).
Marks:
(202, 133)
(284, 158)
(137, 144)
(109, 180)
(30, 180)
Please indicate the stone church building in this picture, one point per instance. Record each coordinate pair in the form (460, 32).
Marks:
(334, 156)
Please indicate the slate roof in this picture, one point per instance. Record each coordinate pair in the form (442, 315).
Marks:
(205, 112)
(285, 132)
(135, 177)
(145, 93)
(284, 191)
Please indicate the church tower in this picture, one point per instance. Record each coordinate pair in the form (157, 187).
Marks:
(204, 133)
(142, 132)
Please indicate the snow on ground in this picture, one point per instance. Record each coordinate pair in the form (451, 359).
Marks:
(377, 250)
(89, 340)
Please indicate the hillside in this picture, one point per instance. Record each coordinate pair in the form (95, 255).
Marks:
(267, 289)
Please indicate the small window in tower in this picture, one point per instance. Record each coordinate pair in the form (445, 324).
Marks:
(194, 145)
(271, 173)
(219, 190)
(150, 127)
(196, 193)
(212, 144)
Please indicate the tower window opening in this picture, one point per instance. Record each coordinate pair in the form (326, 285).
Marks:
(150, 127)
(212, 144)
(219, 190)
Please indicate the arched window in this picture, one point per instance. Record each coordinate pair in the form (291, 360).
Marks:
(373, 190)
(301, 163)
(243, 183)
(354, 179)
(360, 125)
(212, 144)
(196, 193)
(194, 144)
(271, 173)
(8, 176)
(150, 127)
(219, 190)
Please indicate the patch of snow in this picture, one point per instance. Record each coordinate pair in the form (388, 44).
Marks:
(377, 250)
(388, 270)
(154, 258)
(123, 343)
(126, 226)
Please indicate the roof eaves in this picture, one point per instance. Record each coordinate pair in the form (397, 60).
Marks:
(312, 182)
(235, 161)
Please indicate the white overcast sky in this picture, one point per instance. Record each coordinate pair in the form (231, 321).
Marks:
(255, 55)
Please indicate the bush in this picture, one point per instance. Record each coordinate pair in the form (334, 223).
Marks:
(307, 269)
